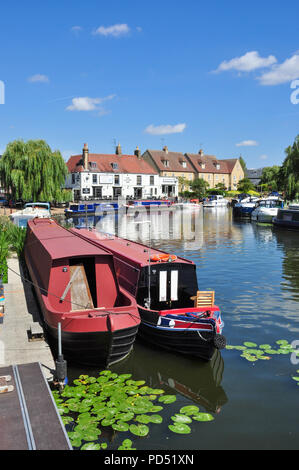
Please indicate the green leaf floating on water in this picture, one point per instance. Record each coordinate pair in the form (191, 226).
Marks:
(180, 418)
(167, 399)
(139, 429)
(189, 410)
(91, 446)
(120, 426)
(248, 344)
(180, 428)
(203, 417)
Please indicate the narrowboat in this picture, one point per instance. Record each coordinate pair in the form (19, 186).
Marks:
(92, 208)
(174, 314)
(76, 286)
(30, 211)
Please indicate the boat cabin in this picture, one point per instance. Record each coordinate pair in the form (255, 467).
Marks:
(157, 280)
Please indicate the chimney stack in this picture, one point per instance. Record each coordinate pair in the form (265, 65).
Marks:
(201, 152)
(137, 152)
(165, 149)
(85, 156)
(118, 149)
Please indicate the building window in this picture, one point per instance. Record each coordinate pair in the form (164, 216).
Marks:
(139, 180)
(184, 164)
(116, 179)
(94, 179)
(166, 163)
(152, 180)
(73, 178)
(114, 166)
(92, 164)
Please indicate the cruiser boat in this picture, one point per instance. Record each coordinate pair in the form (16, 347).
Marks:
(288, 217)
(215, 201)
(175, 315)
(266, 209)
(76, 285)
(245, 207)
(30, 211)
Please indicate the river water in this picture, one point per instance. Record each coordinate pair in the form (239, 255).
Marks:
(254, 270)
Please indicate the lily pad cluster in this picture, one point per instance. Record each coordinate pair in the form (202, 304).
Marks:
(253, 352)
(184, 418)
(92, 404)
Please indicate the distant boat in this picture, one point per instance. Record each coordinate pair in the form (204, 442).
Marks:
(266, 209)
(76, 286)
(245, 207)
(216, 200)
(92, 208)
(147, 204)
(174, 314)
(192, 204)
(30, 211)
(288, 217)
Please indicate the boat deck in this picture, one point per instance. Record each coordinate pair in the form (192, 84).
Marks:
(29, 419)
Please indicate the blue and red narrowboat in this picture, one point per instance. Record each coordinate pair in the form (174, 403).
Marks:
(77, 286)
(165, 288)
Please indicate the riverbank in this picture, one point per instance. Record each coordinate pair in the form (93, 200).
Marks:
(21, 314)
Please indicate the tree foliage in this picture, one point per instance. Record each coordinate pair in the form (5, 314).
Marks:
(199, 187)
(31, 171)
(290, 170)
(245, 185)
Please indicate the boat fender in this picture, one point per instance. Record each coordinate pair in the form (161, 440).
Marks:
(219, 341)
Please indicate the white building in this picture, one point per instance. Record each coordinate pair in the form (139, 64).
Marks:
(102, 176)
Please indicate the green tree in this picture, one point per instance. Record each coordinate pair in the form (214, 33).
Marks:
(271, 178)
(199, 187)
(245, 185)
(31, 171)
(243, 164)
(289, 173)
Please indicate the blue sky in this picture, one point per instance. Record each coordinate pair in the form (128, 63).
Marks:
(213, 75)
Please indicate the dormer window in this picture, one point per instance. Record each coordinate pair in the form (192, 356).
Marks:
(184, 163)
(202, 165)
(92, 164)
(217, 166)
(114, 166)
(166, 163)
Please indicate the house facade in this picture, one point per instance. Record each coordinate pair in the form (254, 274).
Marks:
(109, 176)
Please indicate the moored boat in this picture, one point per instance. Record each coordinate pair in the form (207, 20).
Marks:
(30, 211)
(266, 209)
(288, 217)
(77, 286)
(245, 207)
(174, 314)
(216, 200)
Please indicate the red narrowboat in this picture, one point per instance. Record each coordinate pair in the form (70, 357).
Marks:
(77, 286)
(173, 314)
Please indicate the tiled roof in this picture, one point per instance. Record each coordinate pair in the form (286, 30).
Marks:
(175, 160)
(103, 163)
(210, 162)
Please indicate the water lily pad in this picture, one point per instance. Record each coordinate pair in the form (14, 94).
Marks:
(156, 419)
(180, 428)
(125, 416)
(139, 429)
(107, 421)
(91, 446)
(282, 341)
(144, 419)
(189, 410)
(296, 378)
(203, 417)
(180, 418)
(120, 426)
(248, 344)
(265, 346)
(167, 399)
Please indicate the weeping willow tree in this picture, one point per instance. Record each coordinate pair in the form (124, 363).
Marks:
(290, 170)
(31, 171)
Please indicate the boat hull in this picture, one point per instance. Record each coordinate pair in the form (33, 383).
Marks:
(177, 334)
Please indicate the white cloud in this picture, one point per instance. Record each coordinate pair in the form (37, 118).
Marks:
(165, 129)
(85, 103)
(76, 29)
(263, 157)
(38, 78)
(115, 30)
(246, 63)
(282, 73)
(247, 143)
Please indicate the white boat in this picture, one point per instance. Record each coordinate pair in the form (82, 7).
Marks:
(215, 201)
(30, 211)
(266, 209)
(288, 217)
(245, 207)
(192, 204)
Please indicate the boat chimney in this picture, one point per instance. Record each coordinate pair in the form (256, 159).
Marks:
(85, 156)
(137, 152)
(118, 149)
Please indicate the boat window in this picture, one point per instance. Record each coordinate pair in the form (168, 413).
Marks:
(163, 286)
(174, 285)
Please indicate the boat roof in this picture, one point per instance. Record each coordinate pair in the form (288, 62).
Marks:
(60, 242)
(134, 252)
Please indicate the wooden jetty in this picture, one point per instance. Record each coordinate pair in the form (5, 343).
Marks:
(29, 419)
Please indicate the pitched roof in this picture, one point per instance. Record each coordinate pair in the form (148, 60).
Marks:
(103, 163)
(210, 162)
(175, 160)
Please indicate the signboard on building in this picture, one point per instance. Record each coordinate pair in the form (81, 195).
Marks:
(106, 179)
